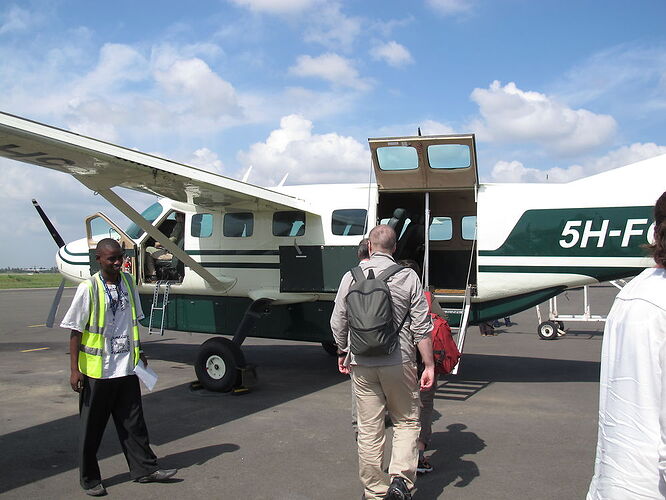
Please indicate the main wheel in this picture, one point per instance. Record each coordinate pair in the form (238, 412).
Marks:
(547, 330)
(330, 347)
(217, 364)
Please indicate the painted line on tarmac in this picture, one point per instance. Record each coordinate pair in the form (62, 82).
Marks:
(38, 349)
(35, 326)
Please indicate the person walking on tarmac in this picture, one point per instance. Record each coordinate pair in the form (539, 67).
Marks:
(104, 350)
(388, 380)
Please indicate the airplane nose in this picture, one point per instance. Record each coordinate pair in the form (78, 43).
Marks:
(72, 260)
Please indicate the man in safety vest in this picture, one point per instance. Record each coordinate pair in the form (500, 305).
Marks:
(104, 350)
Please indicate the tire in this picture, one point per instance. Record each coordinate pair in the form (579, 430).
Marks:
(547, 330)
(330, 348)
(560, 325)
(217, 364)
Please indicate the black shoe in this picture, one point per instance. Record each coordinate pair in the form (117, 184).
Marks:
(158, 476)
(96, 491)
(398, 490)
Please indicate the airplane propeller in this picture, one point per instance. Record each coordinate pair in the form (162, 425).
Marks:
(61, 243)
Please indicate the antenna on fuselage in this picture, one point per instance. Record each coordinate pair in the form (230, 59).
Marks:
(281, 183)
(419, 131)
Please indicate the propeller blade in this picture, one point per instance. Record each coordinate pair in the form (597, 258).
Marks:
(54, 306)
(54, 233)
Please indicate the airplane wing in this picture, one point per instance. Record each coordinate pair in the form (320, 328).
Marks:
(100, 166)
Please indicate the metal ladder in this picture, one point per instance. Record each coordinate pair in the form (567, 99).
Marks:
(156, 307)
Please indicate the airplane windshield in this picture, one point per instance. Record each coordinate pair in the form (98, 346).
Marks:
(150, 214)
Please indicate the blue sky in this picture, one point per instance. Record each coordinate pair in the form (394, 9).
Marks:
(554, 90)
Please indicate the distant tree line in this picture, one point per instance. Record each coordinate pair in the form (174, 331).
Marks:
(18, 270)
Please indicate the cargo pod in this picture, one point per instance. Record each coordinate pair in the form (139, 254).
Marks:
(431, 182)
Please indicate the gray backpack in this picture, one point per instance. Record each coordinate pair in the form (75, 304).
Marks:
(370, 313)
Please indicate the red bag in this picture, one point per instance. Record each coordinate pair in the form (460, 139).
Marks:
(445, 350)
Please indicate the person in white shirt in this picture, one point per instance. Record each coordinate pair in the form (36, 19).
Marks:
(631, 449)
(104, 350)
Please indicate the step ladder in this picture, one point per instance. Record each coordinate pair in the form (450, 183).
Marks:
(157, 307)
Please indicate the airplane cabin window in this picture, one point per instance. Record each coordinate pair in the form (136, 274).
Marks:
(449, 156)
(150, 214)
(202, 225)
(238, 225)
(469, 227)
(397, 158)
(441, 229)
(349, 222)
(290, 223)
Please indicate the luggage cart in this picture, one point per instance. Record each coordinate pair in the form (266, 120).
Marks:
(554, 327)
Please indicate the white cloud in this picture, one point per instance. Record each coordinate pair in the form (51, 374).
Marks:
(15, 19)
(511, 114)
(204, 92)
(275, 6)
(515, 171)
(331, 67)
(206, 159)
(392, 53)
(331, 28)
(307, 157)
(451, 7)
(625, 155)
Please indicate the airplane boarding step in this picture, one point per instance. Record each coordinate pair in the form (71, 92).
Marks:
(464, 313)
(156, 307)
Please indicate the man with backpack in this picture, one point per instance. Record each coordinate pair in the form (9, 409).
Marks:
(379, 320)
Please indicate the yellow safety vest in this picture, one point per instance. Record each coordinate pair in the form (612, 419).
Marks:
(91, 349)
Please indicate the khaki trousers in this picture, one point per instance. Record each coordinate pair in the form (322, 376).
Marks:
(394, 388)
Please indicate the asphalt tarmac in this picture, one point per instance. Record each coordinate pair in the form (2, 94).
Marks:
(518, 422)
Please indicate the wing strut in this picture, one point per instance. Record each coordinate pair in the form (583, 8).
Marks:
(223, 284)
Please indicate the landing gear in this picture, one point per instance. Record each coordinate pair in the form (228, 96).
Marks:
(220, 364)
(548, 330)
(217, 365)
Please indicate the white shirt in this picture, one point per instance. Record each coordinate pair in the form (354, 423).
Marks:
(631, 447)
(117, 358)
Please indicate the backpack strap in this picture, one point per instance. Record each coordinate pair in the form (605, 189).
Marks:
(357, 274)
(389, 271)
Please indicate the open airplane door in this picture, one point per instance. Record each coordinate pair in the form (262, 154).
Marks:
(98, 227)
(431, 182)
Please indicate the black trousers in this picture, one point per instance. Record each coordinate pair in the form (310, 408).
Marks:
(121, 398)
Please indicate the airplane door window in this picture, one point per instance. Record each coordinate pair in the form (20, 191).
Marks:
(202, 225)
(449, 156)
(441, 229)
(238, 225)
(290, 223)
(397, 158)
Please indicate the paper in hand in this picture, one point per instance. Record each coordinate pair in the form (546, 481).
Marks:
(146, 375)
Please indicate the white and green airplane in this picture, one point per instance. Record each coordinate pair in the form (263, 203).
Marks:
(267, 262)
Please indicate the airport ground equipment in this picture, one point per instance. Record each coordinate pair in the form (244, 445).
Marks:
(553, 327)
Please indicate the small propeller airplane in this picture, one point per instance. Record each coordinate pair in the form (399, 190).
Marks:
(257, 262)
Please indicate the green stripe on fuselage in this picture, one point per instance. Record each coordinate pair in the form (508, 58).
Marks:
(577, 232)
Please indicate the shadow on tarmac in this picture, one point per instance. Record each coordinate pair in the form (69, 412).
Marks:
(447, 461)
(497, 368)
(181, 460)
(286, 372)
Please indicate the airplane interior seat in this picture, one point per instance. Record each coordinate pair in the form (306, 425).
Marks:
(397, 222)
(410, 244)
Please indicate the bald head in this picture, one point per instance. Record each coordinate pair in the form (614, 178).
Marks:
(107, 244)
(382, 239)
